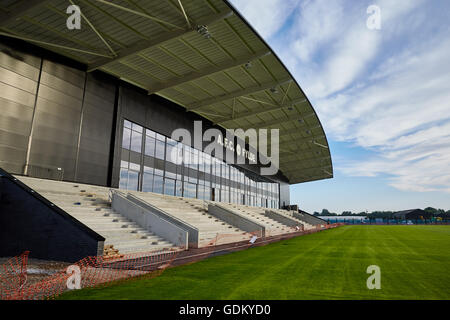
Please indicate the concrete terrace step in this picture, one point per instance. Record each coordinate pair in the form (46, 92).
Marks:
(91, 206)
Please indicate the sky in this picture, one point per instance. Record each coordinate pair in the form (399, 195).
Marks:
(382, 95)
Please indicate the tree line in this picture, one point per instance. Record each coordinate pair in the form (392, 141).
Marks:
(378, 214)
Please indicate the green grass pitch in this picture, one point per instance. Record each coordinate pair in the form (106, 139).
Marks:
(414, 263)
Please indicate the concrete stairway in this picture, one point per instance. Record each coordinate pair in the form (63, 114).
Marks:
(195, 212)
(91, 206)
(289, 214)
(257, 214)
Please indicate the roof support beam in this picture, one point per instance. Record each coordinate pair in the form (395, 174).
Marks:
(96, 31)
(143, 45)
(24, 7)
(320, 145)
(208, 71)
(258, 112)
(185, 15)
(237, 94)
(52, 44)
(141, 14)
(267, 124)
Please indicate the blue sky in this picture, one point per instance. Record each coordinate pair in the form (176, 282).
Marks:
(383, 96)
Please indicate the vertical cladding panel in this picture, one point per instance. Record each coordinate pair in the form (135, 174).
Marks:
(95, 139)
(19, 74)
(284, 194)
(57, 118)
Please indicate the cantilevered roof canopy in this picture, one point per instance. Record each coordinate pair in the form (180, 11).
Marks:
(200, 54)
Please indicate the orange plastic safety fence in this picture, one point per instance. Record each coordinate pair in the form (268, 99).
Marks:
(13, 274)
(92, 271)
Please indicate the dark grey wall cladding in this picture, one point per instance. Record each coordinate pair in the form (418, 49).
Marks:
(96, 126)
(28, 223)
(19, 76)
(57, 118)
(68, 125)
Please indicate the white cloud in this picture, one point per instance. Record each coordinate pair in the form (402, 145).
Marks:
(266, 16)
(386, 91)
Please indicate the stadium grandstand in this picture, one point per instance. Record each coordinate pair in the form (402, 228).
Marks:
(87, 121)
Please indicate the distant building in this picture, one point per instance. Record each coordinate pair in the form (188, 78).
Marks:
(413, 214)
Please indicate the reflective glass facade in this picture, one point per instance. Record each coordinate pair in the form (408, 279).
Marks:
(151, 162)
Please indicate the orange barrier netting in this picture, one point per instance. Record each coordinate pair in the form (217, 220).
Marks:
(99, 270)
(93, 271)
(13, 274)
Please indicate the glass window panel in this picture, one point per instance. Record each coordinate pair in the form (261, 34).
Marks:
(171, 152)
(127, 124)
(192, 179)
(150, 133)
(148, 169)
(194, 159)
(179, 188)
(159, 151)
(190, 190)
(133, 180)
(147, 182)
(160, 137)
(135, 166)
(169, 187)
(126, 138)
(200, 191)
(136, 141)
(149, 146)
(124, 164)
(207, 194)
(186, 156)
(136, 127)
(170, 174)
(123, 180)
(158, 184)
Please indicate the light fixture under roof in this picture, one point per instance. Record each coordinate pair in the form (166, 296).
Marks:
(274, 90)
(203, 30)
(248, 65)
(290, 108)
(300, 120)
(308, 131)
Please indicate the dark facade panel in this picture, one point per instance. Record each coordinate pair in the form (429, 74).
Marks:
(57, 119)
(95, 138)
(19, 74)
